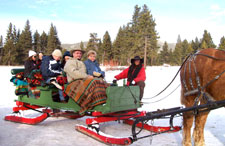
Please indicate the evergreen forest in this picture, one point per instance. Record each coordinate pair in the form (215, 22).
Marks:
(134, 38)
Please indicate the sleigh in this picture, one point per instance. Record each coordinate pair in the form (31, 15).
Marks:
(121, 105)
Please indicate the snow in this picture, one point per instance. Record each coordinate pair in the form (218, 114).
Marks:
(61, 131)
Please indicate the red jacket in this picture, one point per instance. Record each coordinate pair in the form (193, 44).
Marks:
(124, 74)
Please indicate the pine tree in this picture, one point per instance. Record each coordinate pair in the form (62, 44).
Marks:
(107, 47)
(208, 40)
(53, 40)
(222, 44)
(132, 31)
(195, 45)
(9, 47)
(171, 57)
(43, 42)
(203, 45)
(24, 43)
(17, 59)
(82, 45)
(118, 49)
(1, 48)
(179, 39)
(1, 41)
(36, 42)
(146, 28)
(58, 42)
(186, 49)
(189, 49)
(100, 53)
(130, 40)
(177, 54)
(164, 54)
(92, 44)
(135, 18)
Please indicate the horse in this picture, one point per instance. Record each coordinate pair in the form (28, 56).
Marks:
(202, 79)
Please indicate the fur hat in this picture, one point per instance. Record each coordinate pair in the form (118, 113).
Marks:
(57, 53)
(91, 52)
(137, 58)
(32, 53)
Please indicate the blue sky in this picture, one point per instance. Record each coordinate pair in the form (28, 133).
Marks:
(76, 19)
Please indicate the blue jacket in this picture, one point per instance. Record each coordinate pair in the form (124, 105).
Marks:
(93, 66)
(50, 67)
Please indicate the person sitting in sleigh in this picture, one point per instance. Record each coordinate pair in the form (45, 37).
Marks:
(51, 68)
(84, 89)
(135, 74)
(30, 64)
(92, 65)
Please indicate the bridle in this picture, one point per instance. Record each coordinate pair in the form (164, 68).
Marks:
(200, 90)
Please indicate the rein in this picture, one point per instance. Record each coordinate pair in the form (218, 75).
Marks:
(200, 89)
(194, 91)
(171, 80)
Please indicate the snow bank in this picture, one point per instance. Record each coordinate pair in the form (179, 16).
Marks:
(61, 131)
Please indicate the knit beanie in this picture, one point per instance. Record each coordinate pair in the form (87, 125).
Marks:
(67, 53)
(57, 53)
(31, 53)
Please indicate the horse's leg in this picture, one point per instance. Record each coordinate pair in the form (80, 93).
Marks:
(187, 124)
(198, 133)
(187, 119)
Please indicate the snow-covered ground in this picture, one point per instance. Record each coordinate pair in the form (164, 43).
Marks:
(61, 132)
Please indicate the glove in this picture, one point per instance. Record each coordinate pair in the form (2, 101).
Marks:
(97, 74)
(133, 82)
(114, 83)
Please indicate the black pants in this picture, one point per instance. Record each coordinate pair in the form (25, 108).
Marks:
(141, 84)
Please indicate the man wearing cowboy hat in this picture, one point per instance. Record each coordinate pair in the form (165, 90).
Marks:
(135, 74)
(74, 67)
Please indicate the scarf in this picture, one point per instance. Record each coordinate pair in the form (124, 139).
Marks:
(133, 72)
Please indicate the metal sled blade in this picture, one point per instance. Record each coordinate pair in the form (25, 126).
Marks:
(155, 129)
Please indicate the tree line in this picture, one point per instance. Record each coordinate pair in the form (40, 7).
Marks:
(130, 41)
(14, 50)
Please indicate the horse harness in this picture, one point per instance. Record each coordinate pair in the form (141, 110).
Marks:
(200, 89)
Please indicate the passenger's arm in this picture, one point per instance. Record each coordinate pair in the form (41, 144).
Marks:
(88, 68)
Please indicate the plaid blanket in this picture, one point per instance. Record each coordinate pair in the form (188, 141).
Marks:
(21, 86)
(87, 93)
(33, 92)
(35, 78)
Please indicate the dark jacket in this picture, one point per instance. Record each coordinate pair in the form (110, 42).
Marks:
(29, 66)
(38, 63)
(93, 66)
(50, 67)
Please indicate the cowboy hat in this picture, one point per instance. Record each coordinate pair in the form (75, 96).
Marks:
(77, 49)
(137, 58)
